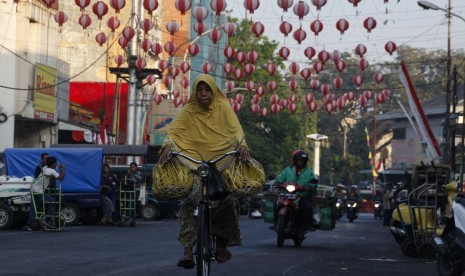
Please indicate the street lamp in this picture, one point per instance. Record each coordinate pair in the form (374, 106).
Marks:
(316, 152)
(427, 6)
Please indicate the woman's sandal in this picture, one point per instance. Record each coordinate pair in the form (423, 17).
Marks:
(222, 252)
(187, 261)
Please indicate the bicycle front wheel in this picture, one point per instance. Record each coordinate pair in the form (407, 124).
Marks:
(203, 247)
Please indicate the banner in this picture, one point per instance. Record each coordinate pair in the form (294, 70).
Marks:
(161, 117)
(45, 93)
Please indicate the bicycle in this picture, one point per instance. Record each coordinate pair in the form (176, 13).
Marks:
(205, 248)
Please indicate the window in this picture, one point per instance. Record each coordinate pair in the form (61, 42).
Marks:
(398, 133)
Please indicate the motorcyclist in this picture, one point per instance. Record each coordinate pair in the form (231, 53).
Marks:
(301, 174)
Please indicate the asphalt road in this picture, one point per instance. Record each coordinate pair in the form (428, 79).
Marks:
(364, 247)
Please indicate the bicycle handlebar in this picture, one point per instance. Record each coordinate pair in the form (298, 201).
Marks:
(212, 161)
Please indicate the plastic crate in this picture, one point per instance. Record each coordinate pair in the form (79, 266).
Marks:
(270, 207)
(327, 218)
(324, 191)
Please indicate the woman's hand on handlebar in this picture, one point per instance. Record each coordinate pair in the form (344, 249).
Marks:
(244, 153)
(165, 154)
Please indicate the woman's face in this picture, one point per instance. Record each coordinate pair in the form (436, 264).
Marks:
(204, 94)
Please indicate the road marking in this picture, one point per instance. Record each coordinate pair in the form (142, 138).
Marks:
(381, 260)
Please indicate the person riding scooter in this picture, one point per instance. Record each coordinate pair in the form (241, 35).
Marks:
(301, 174)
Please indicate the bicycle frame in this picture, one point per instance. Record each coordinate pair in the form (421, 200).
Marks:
(205, 248)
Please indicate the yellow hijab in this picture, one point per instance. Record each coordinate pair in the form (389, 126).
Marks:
(210, 132)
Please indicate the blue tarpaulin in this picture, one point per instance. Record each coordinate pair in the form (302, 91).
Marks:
(83, 165)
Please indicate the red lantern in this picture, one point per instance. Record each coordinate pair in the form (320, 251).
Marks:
(260, 90)
(146, 45)
(271, 68)
(117, 5)
(229, 52)
(129, 33)
(170, 48)
(119, 59)
(379, 77)
(309, 98)
(292, 85)
(173, 71)
(48, 3)
(252, 56)
(172, 27)
(258, 28)
(355, 2)
(316, 27)
(229, 28)
(251, 5)
(363, 64)
(151, 79)
(184, 82)
(82, 4)
(329, 107)
(284, 53)
(314, 84)
(85, 21)
(294, 68)
(275, 108)
(218, 6)
(340, 65)
(300, 35)
(380, 98)
(350, 95)
(238, 73)
(369, 24)
(166, 80)
(182, 6)
(390, 47)
(140, 64)
(285, 27)
(177, 101)
(199, 12)
(292, 107)
(193, 49)
(324, 56)
(239, 97)
(341, 103)
(184, 100)
(254, 108)
(113, 23)
(327, 98)
(156, 48)
(250, 85)
(309, 52)
(306, 73)
(367, 94)
(249, 68)
(206, 67)
(358, 80)
(264, 112)
(272, 85)
(229, 85)
(301, 9)
(215, 35)
(60, 18)
(146, 25)
(158, 99)
(228, 68)
(163, 65)
(236, 107)
(312, 106)
(318, 66)
(100, 9)
(240, 57)
(101, 38)
(336, 56)
(318, 4)
(386, 92)
(150, 5)
(337, 82)
(362, 100)
(324, 88)
(184, 66)
(285, 4)
(256, 98)
(342, 25)
(360, 50)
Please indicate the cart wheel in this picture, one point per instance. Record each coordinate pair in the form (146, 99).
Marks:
(409, 248)
(427, 251)
(6, 217)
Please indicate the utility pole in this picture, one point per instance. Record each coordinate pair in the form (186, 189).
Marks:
(453, 116)
(130, 126)
(448, 155)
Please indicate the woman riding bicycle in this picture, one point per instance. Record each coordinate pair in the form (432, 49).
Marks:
(208, 125)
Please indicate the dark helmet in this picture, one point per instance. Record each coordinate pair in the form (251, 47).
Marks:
(299, 155)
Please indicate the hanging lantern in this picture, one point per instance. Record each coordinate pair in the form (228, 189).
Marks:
(309, 98)
(177, 101)
(60, 18)
(158, 99)
(129, 33)
(229, 85)
(251, 5)
(272, 85)
(166, 80)
(146, 25)
(314, 84)
(285, 28)
(342, 25)
(264, 112)
(150, 5)
(184, 66)
(340, 65)
(256, 98)
(173, 71)
(300, 35)
(260, 90)
(240, 57)
(239, 98)
(310, 52)
(193, 49)
(184, 82)
(206, 67)
(367, 94)
(355, 2)
(358, 80)
(140, 64)
(350, 95)
(306, 73)
(101, 38)
(271, 68)
(170, 48)
(285, 4)
(292, 107)
(123, 42)
(324, 88)
(228, 68)
(318, 4)
(337, 82)
(294, 68)
(381, 98)
(182, 6)
(252, 56)
(284, 53)
(119, 60)
(362, 100)
(156, 48)
(254, 108)
(312, 106)
(329, 107)
(229, 52)
(229, 28)
(238, 73)
(379, 77)
(172, 27)
(324, 56)
(390, 47)
(318, 66)
(335, 56)
(151, 79)
(249, 68)
(360, 50)
(328, 98)
(341, 103)
(258, 29)
(49, 3)
(82, 4)
(316, 27)
(85, 21)
(215, 35)
(363, 64)
(369, 24)
(301, 9)
(292, 84)
(100, 9)
(218, 6)
(146, 45)
(117, 5)
(275, 108)
(250, 85)
(236, 107)
(163, 65)
(199, 12)
(113, 23)
(386, 92)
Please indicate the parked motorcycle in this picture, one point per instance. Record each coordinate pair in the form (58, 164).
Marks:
(451, 244)
(352, 210)
(378, 209)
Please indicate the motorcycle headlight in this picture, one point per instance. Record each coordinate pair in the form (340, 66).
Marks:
(349, 205)
(355, 204)
(377, 205)
(290, 188)
(338, 204)
(203, 170)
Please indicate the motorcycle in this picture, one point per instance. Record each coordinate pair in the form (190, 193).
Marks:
(288, 224)
(451, 244)
(352, 210)
(378, 209)
(340, 208)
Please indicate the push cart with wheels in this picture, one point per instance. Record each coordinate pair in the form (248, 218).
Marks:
(127, 203)
(47, 207)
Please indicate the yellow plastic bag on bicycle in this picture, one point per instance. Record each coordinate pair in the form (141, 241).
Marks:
(173, 180)
(244, 178)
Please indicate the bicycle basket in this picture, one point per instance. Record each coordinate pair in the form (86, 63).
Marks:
(244, 178)
(174, 180)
